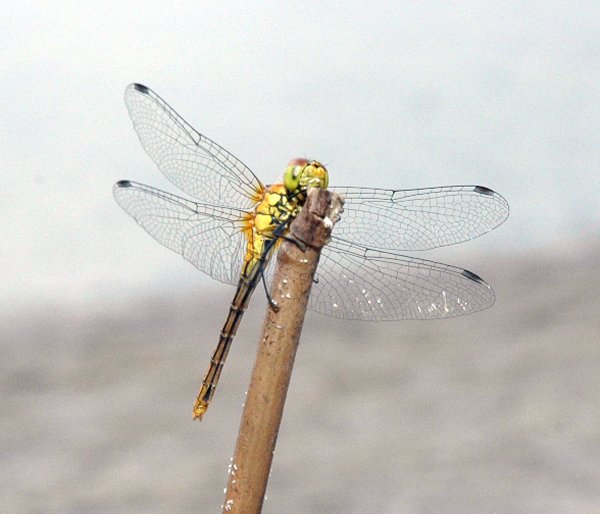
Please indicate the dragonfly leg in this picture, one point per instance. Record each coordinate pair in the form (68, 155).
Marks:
(279, 232)
(272, 303)
(295, 241)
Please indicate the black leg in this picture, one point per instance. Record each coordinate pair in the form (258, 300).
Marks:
(272, 303)
(295, 241)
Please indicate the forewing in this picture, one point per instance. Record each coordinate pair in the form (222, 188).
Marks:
(194, 163)
(359, 283)
(418, 219)
(208, 236)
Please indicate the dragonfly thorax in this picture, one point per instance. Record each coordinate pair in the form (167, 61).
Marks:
(301, 174)
(273, 209)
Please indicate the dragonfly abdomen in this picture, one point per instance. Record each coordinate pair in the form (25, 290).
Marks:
(246, 286)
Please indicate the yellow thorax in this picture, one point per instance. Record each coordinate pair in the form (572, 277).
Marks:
(279, 203)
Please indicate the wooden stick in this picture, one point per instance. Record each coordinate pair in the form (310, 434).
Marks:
(296, 266)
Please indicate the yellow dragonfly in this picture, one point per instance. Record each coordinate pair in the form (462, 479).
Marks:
(236, 223)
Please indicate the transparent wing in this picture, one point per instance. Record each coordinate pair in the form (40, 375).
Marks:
(208, 236)
(194, 163)
(352, 282)
(418, 219)
(360, 283)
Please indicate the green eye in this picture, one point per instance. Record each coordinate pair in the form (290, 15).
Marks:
(291, 177)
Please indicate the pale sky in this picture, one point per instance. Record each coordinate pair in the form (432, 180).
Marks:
(388, 94)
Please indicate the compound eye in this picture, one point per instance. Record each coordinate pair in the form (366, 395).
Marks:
(291, 177)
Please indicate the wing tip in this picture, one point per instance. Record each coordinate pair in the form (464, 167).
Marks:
(140, 87)
(472, 276)
(482, 190)
(504, 207)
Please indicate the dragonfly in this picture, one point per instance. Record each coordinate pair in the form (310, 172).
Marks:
(235, 223)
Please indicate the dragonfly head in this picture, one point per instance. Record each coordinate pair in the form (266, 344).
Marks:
(301, 174)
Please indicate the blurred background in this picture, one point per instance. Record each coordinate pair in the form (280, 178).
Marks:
(105, 334)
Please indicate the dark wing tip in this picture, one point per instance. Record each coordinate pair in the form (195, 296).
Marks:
(123, 183)
(482, 190)
(471, 276)
(141, 88)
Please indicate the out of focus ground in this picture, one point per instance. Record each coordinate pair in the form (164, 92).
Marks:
(491, 413)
